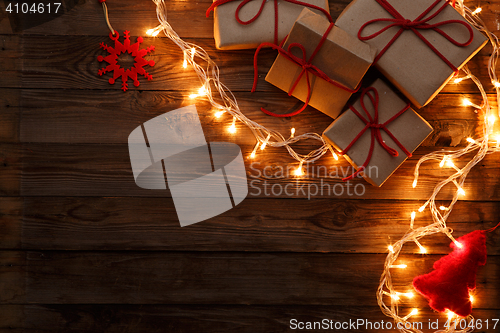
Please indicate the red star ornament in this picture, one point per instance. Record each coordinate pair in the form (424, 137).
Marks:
(454, 275)
(132, 49)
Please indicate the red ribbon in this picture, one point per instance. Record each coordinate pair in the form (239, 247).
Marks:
(420, 23)
(375, 127)
(241, 5)
(306, 66)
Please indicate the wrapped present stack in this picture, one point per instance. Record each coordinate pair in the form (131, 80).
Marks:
(417, 46)
(417, 59)
(245, 24)
(377, 133)
(342, 58)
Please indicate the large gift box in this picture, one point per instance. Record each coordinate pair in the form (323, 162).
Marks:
(377, 133)
(421, 43)
(257, 21)
(342, 58)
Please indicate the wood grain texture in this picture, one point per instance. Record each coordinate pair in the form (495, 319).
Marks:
(12, 277)
(82, 116)
(10, 169)
(73, 65)
(10, 111)
(11, 61)
(224, 278)
(84, 249)
(198, 318)
(257, 225)
(11, 222)
(104, 170)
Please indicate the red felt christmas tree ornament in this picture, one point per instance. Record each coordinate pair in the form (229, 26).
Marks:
(448, 286)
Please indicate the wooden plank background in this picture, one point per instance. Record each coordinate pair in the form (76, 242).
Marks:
(82, 248)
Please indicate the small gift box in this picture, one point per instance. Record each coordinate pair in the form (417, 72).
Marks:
(246, 24)
(322, 72)
(377, 133)
(421, 43)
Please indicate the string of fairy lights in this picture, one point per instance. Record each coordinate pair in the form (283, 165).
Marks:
(207, 71)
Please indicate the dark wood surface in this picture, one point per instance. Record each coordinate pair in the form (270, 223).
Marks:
(83, 249)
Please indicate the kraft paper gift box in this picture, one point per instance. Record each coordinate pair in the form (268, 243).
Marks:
(410, 64)
(409, 129)
(229, 34)
(342, 57)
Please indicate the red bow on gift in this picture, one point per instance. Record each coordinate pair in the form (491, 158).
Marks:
(241, 5)
(420, 23)
(306, 66)
(375, 127)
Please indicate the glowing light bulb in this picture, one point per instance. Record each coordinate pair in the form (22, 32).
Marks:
(232, 128)
(202, 91)
(155, 33)
(150, 32)
(443, 208)
(471, 140)
(422, 249)
(292, 132)
(185, 63)
(333, 153)
(394, 296)
(402, 266)
(496, 84)
(443, 161)
(412, 215)
(412, 313)
(471, 298)
(299, 171)
(449, 163)
(461, 191)
(265, 142)
(414, 183)
(458, 80)
(391, 248)
(252, 155)
(421, 209)
(458, 244)
(467, 102)
(477, 11)
(492, 118)
(218, 114)
(408, 294)
(193, 51)
(450, 314)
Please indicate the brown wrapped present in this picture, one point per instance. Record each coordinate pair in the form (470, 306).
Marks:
(245, 24)
(321, 75)
(421, 43)
(377, 133)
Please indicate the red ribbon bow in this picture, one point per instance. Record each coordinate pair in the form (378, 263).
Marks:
(420, 23)
(306, 66)
(375, 127)
(241, 5)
